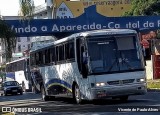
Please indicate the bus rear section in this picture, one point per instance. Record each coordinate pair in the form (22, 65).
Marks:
(10, 76)
(21, 71)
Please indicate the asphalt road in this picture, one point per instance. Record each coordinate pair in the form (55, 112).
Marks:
(62, 106)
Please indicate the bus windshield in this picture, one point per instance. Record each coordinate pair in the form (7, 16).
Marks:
(114, 54)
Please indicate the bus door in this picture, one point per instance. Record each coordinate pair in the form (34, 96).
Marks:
(82, 62)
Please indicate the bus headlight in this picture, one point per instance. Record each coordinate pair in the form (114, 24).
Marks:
(141, 80)
(100, 84)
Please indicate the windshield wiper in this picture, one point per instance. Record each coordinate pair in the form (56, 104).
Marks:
(127, 64)
(115, 62)
(124, 62)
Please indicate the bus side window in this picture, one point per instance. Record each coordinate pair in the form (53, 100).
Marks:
(61, 53)
(78, 54)
(57, 53)
(66, 51)
(69, 51)
(47, 60)
(52, 54)
(43, 57)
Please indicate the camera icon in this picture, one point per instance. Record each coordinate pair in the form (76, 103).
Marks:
(6, 109)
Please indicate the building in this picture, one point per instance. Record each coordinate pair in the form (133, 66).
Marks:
(43, 11)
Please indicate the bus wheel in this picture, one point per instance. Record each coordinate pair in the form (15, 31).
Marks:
(44, 96)
(123, 98)
(77, 95)
(21, 93)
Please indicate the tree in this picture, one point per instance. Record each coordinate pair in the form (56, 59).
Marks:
(8, 38)
(26, 9)
(144, 7)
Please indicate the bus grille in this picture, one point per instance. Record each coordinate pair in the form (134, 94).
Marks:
(128, 81)
(120, 82)
(113, 82)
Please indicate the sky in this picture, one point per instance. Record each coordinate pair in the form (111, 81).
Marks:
(11, 7)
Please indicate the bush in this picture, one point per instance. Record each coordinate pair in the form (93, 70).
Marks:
(153, 84)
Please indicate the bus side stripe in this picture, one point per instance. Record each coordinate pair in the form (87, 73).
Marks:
(58, 82)
(59, 85)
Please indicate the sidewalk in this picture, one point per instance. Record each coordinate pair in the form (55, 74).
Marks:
(153, 90)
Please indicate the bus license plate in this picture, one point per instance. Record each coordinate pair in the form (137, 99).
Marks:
(14, 90)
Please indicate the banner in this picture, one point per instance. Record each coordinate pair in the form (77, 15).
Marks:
(90, 20)
(109, 8)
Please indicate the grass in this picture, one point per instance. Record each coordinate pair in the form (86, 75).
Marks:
(153, 84)
(5, 113)
(8, 114)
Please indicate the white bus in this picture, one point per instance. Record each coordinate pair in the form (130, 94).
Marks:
(91, 65)
(19, 70)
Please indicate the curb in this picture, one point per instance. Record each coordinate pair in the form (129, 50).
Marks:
(153, 90)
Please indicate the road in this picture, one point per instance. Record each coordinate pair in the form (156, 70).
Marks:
(66, 106)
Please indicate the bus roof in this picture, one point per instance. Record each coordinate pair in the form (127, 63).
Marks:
(107, 32)
(96, 33)
(17, 60)
(87, 33)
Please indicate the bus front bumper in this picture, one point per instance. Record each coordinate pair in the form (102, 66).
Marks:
(115, 91)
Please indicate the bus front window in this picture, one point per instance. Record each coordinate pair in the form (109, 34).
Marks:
(114, 54)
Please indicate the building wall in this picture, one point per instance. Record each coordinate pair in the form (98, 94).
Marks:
(149, 69)
(43, 11)
(24, 44)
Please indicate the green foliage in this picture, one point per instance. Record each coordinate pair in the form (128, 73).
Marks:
(26, 8)
(158, 34)
(144, 7)
(8, 38)
(2, 68)
(152, 84)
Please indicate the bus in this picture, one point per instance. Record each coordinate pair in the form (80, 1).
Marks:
(19, 71)
(91, 65)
